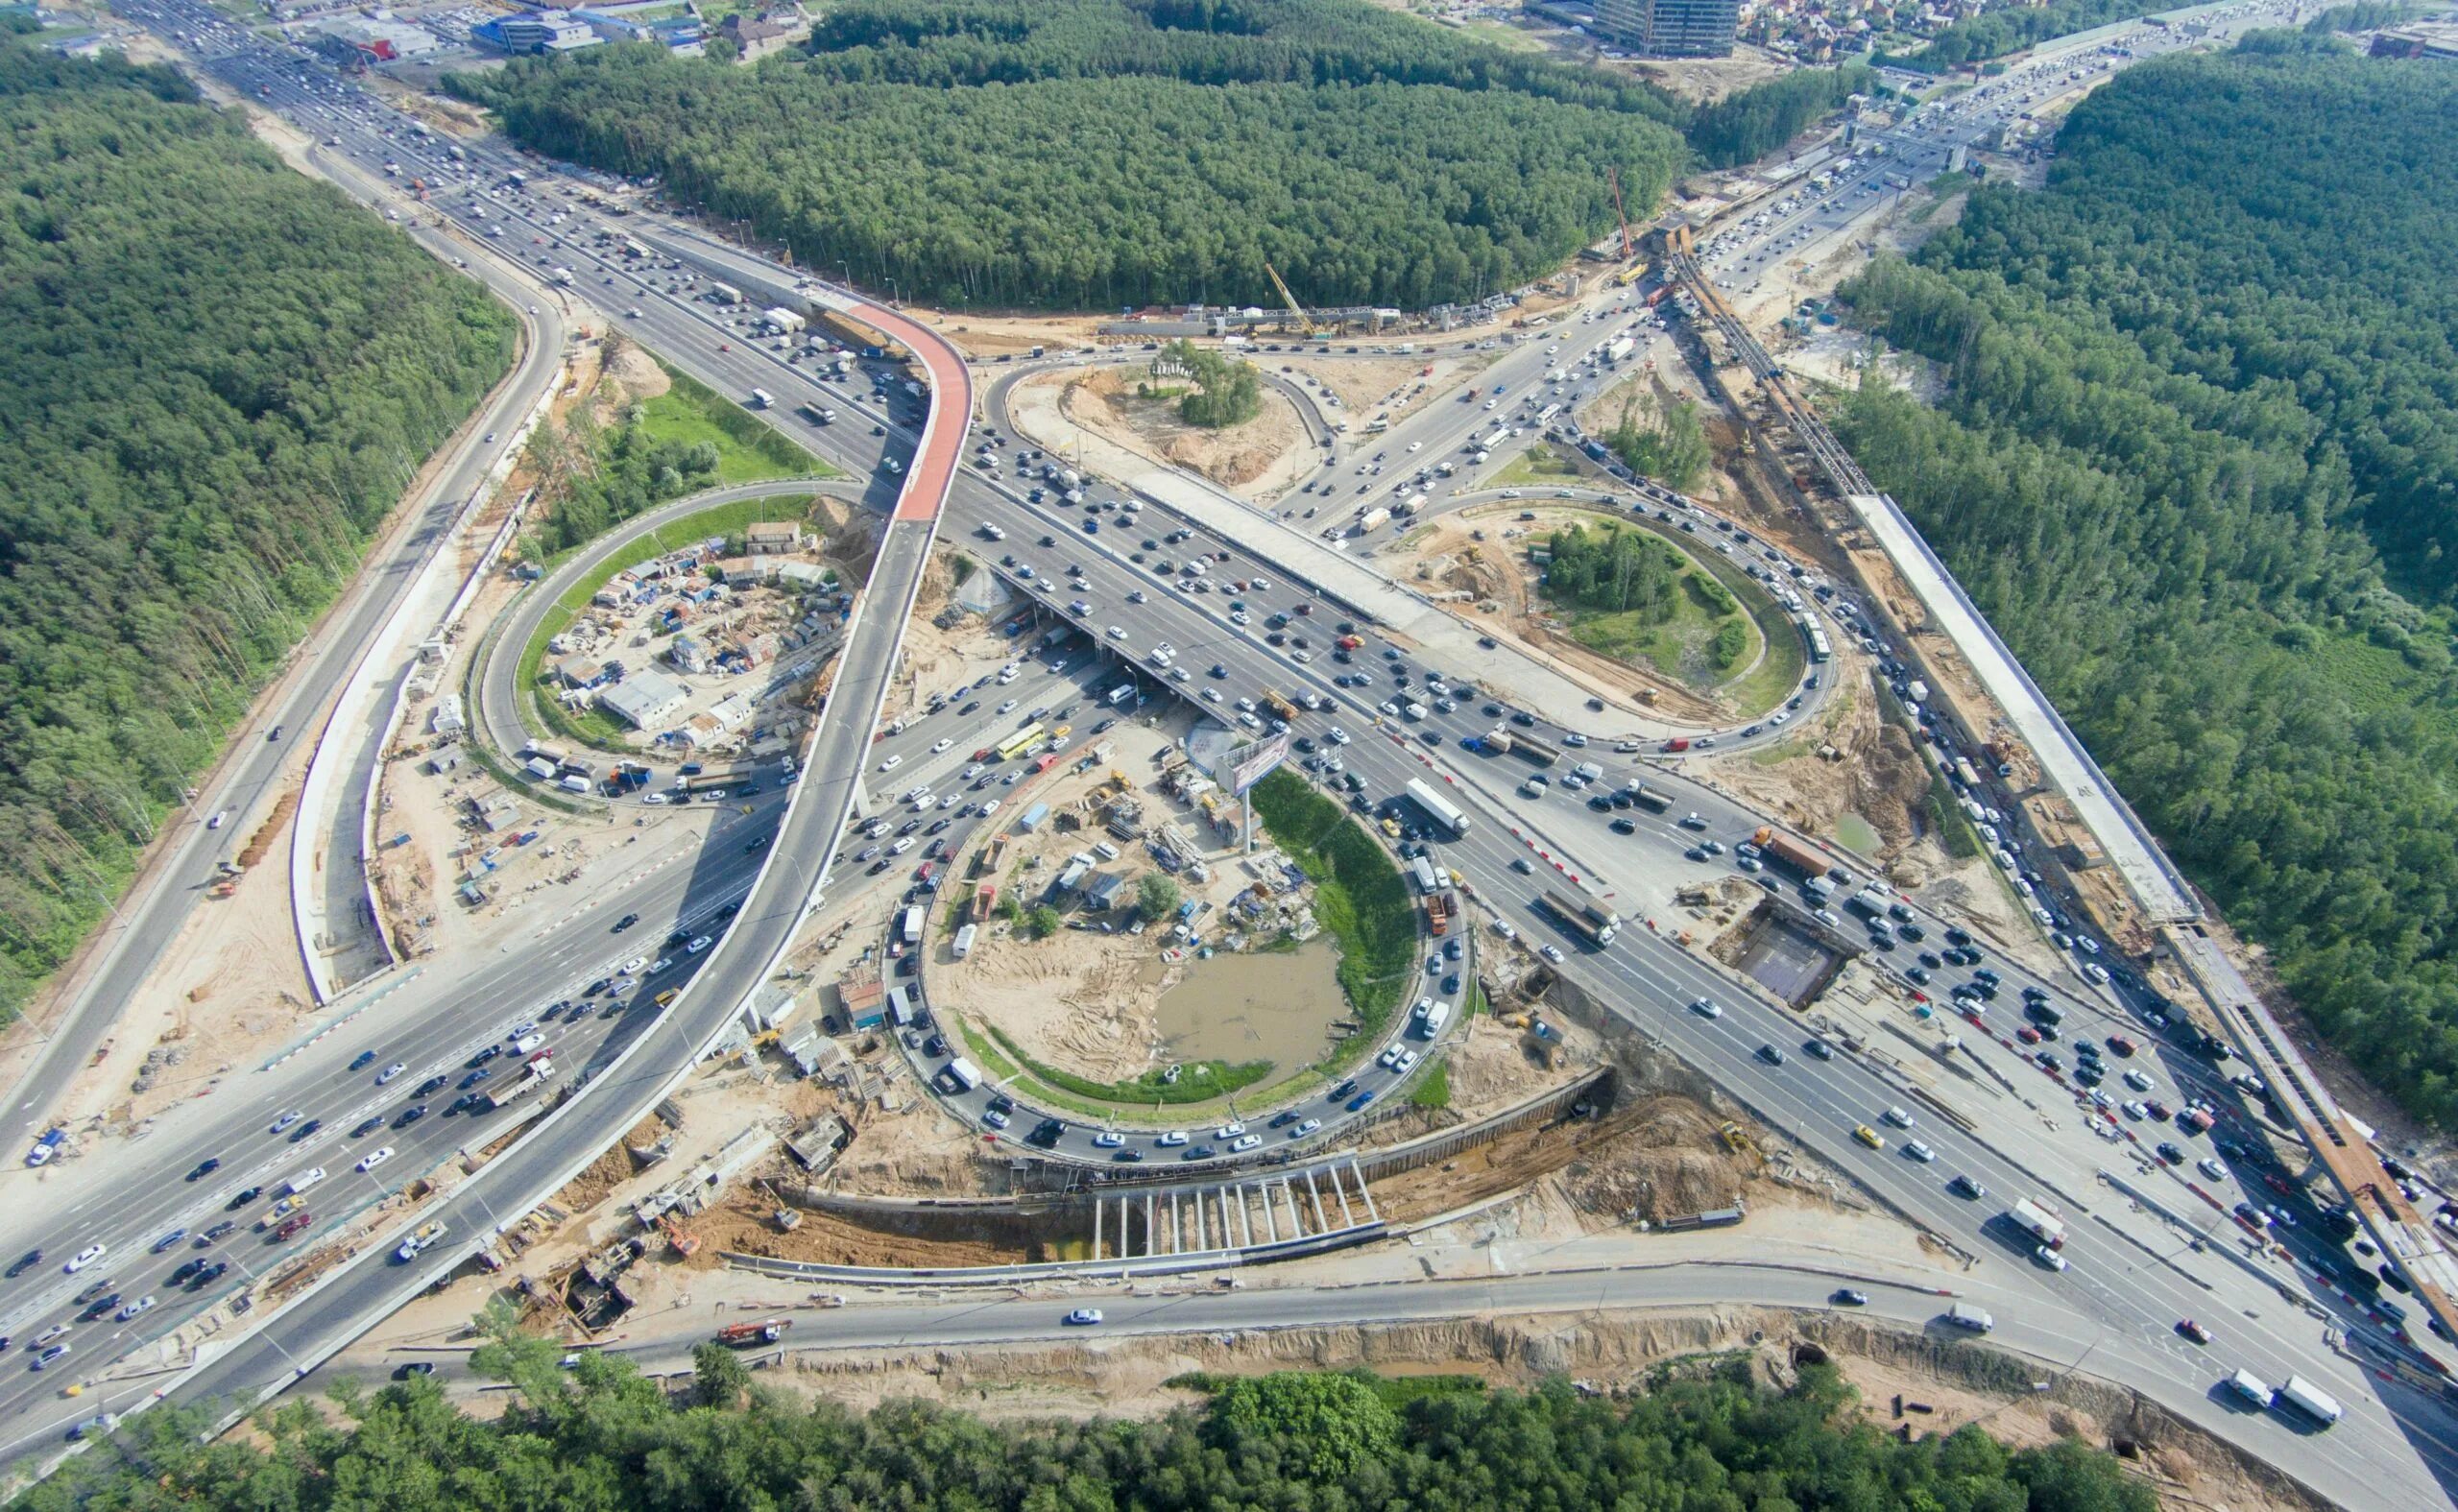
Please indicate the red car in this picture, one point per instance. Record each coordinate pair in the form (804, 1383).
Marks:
(2120, 1045)
(2194, 1330)
(2028, 1034)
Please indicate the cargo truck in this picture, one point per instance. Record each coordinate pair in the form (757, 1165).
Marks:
(1586, 918)
(535, 1076)
(1647, 797)
(2251, 1387)
(2038, 1222)
(1437, 807)
(1791, 854)
(2309, 1399)
(46, 1148)
(784, 321)
(425, 1235)
(1502, 740)
(1964, 1315)
(1438, 914)
(1372, 520)
(768, 1330)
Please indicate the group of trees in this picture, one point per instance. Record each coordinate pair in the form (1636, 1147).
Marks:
(1089, 154)
(1359, 894)
(2012, 28)
(1619, 571)
(1228, 392)
(215, 378)
(601, 1436)
(1673, 451)
(2200, 464)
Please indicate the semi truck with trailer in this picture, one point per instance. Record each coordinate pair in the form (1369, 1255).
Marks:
(1783, 850)
(1648, 797)
(1589, 920)
(2310, 1400)
(1437, 807)
(2038, 1222)
(767, 1331)
(1503, 740)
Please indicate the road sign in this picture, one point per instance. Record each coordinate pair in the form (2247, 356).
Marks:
(1252, 762)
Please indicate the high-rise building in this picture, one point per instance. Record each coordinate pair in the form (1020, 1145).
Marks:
(1671, 28)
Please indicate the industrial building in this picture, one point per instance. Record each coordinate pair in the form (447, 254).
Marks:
(1671, 28)
(536, 31)
(644, 699)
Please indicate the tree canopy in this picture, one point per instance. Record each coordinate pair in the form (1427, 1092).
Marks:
(602, 1436)
(2200, 464)
(215, 379)
(1089, 154)
(1993, 34)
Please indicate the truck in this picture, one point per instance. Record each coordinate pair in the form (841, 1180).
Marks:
(2249, 1386)
(1783, 850)
(424, 1235)
(1869, 901)
(1589, 920)
(1964, 1315)
(1372, 520)
(46, 1148)
(2038, 1222)
(1438, 914)
(1440, 810)
(303, 1180)
(964, 1075)
(782, 320)
(1646, 797)
(817, 414)
(2309, 1399)
(1619, 348)
(724, 294)
(536, 1075)
(1502, 741)
(767, 1331)
(1278, 703)
(913, 926)
(1412, 504)
(1421, 871)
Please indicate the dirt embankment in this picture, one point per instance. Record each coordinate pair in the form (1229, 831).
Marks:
(1250, 458)
(1604, 1352)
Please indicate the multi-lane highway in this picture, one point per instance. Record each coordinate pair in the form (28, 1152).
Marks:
(2117, 1289)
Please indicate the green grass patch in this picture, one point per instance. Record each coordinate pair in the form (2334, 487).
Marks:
(1433, 1090)
(593, 726)
(1199, 1083)
(1679, 646)
(1954, 826)
(1538, 465)
(1359, 894)
(748, 449)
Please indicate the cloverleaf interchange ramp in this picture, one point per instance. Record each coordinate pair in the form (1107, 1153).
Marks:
(601, 1107)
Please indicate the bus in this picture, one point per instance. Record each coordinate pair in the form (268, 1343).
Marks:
(1021, 741)
(1816, 635)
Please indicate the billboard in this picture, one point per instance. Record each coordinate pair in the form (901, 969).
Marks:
(1252, 762)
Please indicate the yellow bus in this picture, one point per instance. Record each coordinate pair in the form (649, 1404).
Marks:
(1021, 741)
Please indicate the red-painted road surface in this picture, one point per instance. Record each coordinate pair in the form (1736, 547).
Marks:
(941, 449)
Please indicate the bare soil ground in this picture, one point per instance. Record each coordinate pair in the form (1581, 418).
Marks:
(1255, 458)
(1706, 79)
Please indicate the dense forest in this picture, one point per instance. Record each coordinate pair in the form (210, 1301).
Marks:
(215, 378)
(1619, 571)
(602, 1436)
(2010, 29)
(2200, 464)
(1089, 154)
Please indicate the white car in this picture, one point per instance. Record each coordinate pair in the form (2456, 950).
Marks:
(698, 944)
(1504, 928)
(1306, 1128)
(85, 1257)
(1084, 1317)
(374, 1158)
(1920, 1152)
(892, 763)
(1007, 707)
(1115, 634)
(1244, 1141)
(1108, 1139)
(1229, 1131)
(2209, 1166)
(1706, 1008)
(1338, 735)
(140, 1305)
(1897, 1116)
(1550, 953)
(390, 1072)
(632, 967)
(2049, 1258)
(1172, 1140)
(942, 744)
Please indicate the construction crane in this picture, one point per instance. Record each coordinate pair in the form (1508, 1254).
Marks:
(1297, 311)
(1613, 176)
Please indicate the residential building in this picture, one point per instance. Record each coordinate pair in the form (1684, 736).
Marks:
(731, 713)
(773, 539)
(1671, 28)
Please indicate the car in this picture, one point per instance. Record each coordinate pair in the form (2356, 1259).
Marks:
(1083, 1317)
(1244, 1141)
(1920, 1151)
(1847, 1297)
(386, 1075)
(2171, 1153)
(242, 1197)
(699, 944)
(50, 1357)
(85, 1257)
(1550, 953)
(625, 923)
(364, 1059)
(891, 763)
(374, 1158)
(169, 1239)
(133, 1310)
(284, 1121)
(2050, 1258)
(2193, 1331)
(24, 1263)
(1706, 1008)
(368, 1127)
(205, 1168)
(1305, 1127)
(1867, 1135)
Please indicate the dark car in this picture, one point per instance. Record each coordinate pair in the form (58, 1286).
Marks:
(24, 1263)
(367, 1128)
(244, 1196)
(205, 1168)
(625, 923)
(410, 1116)
(307, 1130)
(476, 1076)
(204, 1240)
(209, 1275)
(365, 1059)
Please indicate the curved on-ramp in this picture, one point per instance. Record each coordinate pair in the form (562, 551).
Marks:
(611, 1099)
